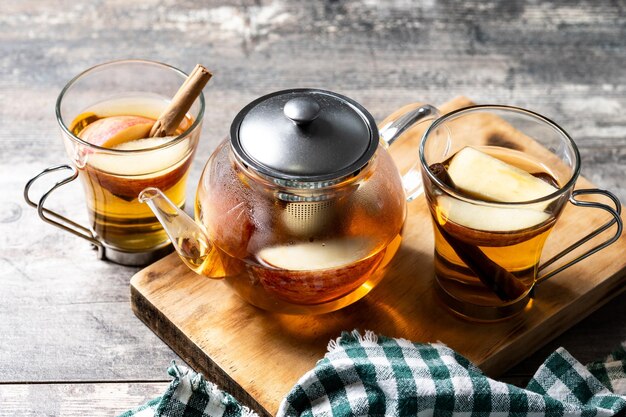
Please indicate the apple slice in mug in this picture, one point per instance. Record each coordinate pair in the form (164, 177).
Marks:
(316, 272)
(487, 178)
(481, 175)
(130, 133)
(112, 131)
(488, 218)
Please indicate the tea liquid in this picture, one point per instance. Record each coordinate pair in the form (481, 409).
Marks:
(472, 239)
(296, 257)
(112, 180)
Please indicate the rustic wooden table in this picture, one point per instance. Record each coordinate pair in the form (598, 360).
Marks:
(69, 343)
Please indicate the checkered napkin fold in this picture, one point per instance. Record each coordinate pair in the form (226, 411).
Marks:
(369, 375)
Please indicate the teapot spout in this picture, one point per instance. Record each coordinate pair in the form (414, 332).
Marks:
(189, 239)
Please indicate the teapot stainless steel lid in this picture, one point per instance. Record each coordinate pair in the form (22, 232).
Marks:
(304, 135)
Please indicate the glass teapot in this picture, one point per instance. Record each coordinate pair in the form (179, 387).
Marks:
(301, 208)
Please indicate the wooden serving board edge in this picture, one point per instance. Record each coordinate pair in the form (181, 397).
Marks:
(184, 347)
(564, 320)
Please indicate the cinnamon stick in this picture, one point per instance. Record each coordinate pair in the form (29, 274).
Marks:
(168, 121)
(503, 283)
(441, 173)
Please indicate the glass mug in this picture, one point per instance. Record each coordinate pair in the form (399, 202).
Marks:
(488, 241)
(122, 229)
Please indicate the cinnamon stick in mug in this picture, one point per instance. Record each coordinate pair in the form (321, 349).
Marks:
(169, 120)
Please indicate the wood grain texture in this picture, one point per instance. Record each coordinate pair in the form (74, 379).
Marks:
(65, 316)
(258, 356)
(72, 399)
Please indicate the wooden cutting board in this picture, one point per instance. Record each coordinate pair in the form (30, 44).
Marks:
(258, 356)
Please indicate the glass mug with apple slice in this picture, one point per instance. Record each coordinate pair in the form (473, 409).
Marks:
(496, 179)
(106, 114)
(301, 208)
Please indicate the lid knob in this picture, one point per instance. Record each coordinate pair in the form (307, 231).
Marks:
(302, 110)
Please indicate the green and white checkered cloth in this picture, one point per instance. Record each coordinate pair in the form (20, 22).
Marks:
(370, 375)
(190, 395)
(379, 376)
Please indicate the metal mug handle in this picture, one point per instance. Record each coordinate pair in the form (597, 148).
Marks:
(54, 218)
(615, 212)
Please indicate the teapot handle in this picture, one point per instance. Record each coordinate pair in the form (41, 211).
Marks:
(395, 126)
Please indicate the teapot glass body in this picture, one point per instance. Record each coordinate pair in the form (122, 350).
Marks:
(293, 249)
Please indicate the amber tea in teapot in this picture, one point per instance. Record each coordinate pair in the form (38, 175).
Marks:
(304, 252)
(297, 256)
